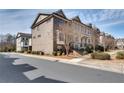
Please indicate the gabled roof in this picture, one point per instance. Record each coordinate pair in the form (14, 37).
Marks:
(76, 18)
(43, 20)
(38, 17)
(23, 35)
(60, 13)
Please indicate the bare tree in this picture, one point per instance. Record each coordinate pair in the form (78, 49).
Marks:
(105, 40)
(7, 43)
(94, 40)
(95, 37)
(66, 30)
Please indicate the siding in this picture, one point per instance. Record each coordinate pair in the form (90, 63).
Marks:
(18, 44)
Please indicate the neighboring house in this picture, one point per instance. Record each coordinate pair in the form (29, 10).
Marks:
(23, 42)
(53, 31)
(120, 43)
(107, 41)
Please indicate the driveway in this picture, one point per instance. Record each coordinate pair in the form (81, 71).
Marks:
(21, 69)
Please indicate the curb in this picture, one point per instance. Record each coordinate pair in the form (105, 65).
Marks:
(74, 61)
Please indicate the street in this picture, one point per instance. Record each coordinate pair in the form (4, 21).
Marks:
(15, 68)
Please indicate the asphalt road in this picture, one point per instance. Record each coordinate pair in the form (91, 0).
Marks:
(19, 69)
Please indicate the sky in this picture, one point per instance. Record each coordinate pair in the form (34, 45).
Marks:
(110, 21)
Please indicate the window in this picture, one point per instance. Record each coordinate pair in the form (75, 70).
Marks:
(23, 38)
(76, 39)
(69, 24)
(26, 43)
(59, 22)
(61, 36)
(70, 37)
(89, 41)
(34, 37)
(39, 36)
(81, 45)
(88, 32)
(85, 31)
(26, 38)
(85, 40)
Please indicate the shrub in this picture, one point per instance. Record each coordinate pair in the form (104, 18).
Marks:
(93, 55)
(88, 49)
(28, 52)
(82, 50)
(63, 53)
(99, 48)
(59, 53)
(41, 53)
(32, 52)
(54, 53)
(85, 52)
(101, 56)
(21, 51)
(120, 55)
(35, 52)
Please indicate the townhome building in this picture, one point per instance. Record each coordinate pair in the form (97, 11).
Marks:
(55, 31)
(110, 42)
(23, 42)
(120, 43)
(82, 33)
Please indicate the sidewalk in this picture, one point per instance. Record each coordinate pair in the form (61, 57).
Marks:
(104, 65)
(96, 64)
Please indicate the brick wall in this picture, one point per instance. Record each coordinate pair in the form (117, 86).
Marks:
(42, 37)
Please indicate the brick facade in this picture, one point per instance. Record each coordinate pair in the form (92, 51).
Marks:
(50, 31)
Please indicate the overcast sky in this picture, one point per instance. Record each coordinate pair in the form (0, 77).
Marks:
(18, 20)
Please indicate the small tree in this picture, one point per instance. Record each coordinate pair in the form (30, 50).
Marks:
(104, 43)
(95, 37)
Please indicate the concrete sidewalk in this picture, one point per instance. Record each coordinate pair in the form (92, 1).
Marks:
(81, 62)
